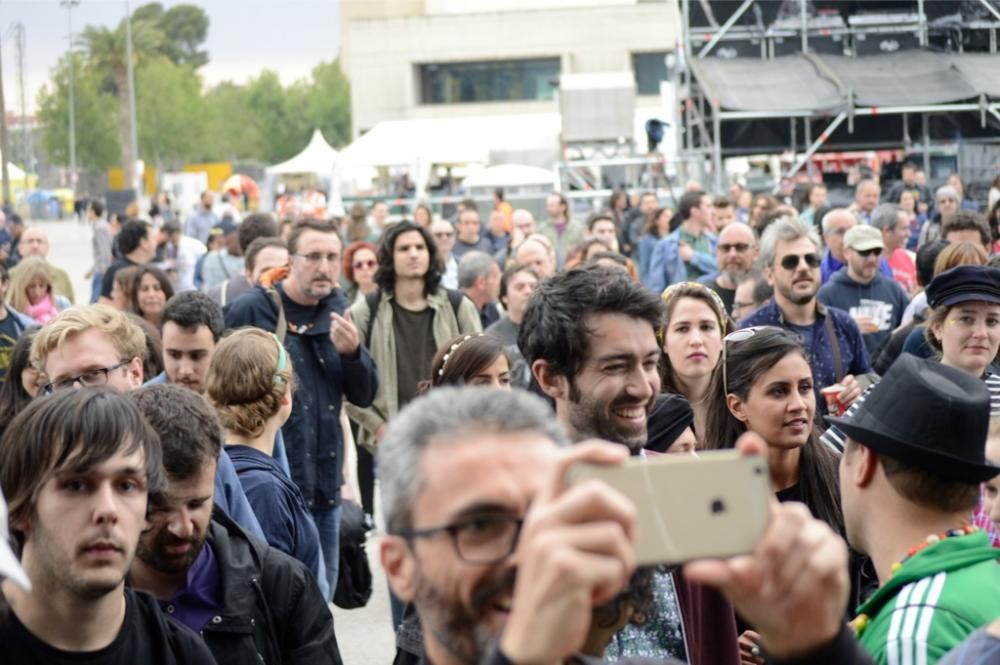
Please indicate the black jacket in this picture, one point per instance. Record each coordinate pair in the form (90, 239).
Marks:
(272, 611)
(312, 434)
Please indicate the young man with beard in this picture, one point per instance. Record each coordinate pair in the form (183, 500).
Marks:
(789, 252)
(78, 468)
(308, 311)
(506, 564)
(735, 255)
(250, 602)
(413, 316)
(590, 338)
(874, 301)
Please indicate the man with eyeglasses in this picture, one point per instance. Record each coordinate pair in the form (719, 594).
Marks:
(735, 255)
(444, 239)
(506, 564)
(96, 345)
(789, 253)
(874, 301)
(308, 311)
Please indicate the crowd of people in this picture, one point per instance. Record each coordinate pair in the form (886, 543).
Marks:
(174, 453)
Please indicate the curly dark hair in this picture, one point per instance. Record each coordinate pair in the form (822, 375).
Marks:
(554, 328)
(385, 276)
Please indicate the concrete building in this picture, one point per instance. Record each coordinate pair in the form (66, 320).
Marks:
(433, 59)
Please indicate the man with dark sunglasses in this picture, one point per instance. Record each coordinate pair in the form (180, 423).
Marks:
(837, 353)
(874, 301)
(735, 255)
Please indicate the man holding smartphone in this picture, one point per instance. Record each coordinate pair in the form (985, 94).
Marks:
(590, 339)
(505, 563)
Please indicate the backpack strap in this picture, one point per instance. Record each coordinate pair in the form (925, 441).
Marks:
(281, 327)
(838, 360)
(373, 299)
(455, 297)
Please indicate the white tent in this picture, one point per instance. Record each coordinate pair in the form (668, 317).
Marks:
(452, 140)
(318, 157)
(510, 175)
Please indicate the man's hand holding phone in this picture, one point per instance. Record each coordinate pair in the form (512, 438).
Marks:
(574, 552)
(794, 587)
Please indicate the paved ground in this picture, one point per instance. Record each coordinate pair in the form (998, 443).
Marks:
(365, 635)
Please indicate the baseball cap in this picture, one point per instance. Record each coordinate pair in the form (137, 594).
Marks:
(861, 238)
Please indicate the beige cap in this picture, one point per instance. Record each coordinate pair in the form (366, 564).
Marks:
(861, 238)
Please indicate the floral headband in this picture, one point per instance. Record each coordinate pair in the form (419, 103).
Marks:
(453, 348)
(672, 290)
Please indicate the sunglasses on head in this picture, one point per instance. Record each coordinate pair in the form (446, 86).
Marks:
(791, 261)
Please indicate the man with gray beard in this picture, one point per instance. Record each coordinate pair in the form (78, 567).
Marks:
(735, 255)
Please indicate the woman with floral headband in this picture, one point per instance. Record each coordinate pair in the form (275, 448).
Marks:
(692, 345)
(473, 360)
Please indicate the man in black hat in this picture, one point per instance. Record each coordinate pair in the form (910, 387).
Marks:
(909, 479)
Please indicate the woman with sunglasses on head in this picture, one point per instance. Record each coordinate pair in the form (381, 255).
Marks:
(692, 345)
(360, 265)
(766, 386)
(250, 383)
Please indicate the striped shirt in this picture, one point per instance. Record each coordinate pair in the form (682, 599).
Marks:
(836, 439)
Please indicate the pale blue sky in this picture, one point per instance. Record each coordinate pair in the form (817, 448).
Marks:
(244, 36)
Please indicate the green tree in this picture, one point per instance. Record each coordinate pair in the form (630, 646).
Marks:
(170, 109)
(185, 28)
(328, 103)
(96, 136)
(106, 58)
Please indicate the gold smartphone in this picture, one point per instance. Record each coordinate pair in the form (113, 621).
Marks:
(714, 505)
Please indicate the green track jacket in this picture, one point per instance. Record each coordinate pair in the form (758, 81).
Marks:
(937, 599)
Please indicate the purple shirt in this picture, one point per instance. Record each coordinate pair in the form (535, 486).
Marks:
(197, 602)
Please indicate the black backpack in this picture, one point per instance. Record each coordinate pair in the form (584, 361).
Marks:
(373, 299)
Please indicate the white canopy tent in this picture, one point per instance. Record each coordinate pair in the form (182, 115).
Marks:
(318, 157)
(452, 140)
(510, 176)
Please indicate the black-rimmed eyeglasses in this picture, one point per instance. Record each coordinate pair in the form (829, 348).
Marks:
(477, 540)
(88, 379)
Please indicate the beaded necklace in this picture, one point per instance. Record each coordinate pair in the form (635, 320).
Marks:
(860, 622)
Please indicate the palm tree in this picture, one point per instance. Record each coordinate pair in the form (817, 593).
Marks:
(106, 51)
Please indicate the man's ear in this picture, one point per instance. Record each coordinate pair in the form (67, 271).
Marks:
(400, 567)
(865, 463)
(554, 385)
(135, 372)
(769, 274)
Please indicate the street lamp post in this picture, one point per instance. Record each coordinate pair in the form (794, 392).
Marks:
(134, 137)
(69, 4)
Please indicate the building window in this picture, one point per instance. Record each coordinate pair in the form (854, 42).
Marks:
(650, 69)
(498, 81)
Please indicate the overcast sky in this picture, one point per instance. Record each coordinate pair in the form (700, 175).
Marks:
(244, 37)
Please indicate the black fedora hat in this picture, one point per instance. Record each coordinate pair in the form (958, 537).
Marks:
(928, 415)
